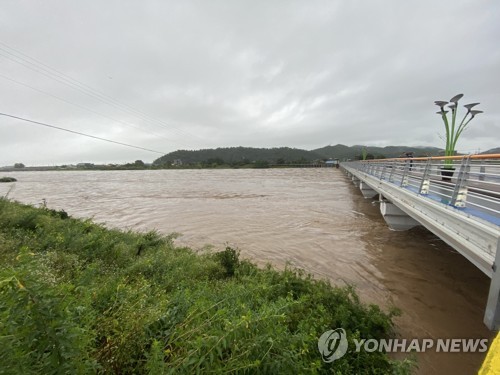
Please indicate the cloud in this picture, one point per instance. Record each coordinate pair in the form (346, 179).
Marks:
(195, 74)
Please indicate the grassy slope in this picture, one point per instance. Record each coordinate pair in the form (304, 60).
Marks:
(76, 297)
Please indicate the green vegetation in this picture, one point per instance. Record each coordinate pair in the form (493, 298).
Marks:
(261, 164)
(238, 156)
(7, 179)
(247, 157)
(76, 297)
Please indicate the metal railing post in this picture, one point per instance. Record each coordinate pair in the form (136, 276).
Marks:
(392, 170)
(379, 170)
(482, 171)
(459, 196)
(426, 181)
(382, 174)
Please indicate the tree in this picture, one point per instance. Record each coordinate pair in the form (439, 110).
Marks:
(19, 165)
(261, 164)
(139, 163)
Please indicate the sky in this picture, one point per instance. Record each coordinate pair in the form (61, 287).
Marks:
(169, 75)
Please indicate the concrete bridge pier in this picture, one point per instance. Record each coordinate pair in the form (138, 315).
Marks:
(492, 314)
(366, 190)
(396, 218)
(355, 181)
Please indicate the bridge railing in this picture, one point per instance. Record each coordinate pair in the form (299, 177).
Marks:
(470, 183)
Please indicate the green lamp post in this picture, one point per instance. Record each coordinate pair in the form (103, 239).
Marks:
(453, 132)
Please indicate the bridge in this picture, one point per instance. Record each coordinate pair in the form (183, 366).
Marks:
(457, 198)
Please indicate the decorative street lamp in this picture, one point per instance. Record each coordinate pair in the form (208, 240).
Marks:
(453, 132)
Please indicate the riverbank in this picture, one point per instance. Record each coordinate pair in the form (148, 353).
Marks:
(79, 297)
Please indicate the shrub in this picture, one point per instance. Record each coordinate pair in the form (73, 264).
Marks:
(7, 179)
(229, 259)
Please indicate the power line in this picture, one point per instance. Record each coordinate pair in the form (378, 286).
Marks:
(67, 82)
(50, 72)
(83, 134)
(89, 109)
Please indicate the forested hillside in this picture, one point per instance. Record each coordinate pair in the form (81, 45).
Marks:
(286, 155)
(244, 155)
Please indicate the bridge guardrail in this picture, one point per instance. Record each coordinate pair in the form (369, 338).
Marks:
(470, 183)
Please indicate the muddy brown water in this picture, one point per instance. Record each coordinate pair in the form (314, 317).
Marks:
(314, 219)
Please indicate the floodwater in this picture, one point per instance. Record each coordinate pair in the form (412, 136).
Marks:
(314, 219)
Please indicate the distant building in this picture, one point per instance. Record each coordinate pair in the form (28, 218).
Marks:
(332, 163)
(177, 162)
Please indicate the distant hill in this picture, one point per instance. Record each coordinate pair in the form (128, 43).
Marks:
(243, 155)
(345, 152)
(285, 155)
(495, 150)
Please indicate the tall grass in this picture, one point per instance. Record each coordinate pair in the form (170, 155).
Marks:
(78, 298)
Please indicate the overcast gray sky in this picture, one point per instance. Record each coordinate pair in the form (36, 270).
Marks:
(169, 75)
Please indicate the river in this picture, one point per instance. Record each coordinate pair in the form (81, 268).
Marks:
(314, 219)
